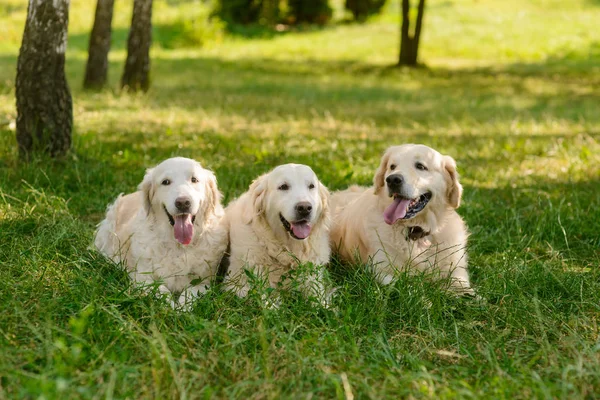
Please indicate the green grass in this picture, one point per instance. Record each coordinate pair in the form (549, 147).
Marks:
(510, 90)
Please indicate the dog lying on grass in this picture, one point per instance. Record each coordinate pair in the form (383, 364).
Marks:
(407, 219)
(170, 231)
(280, 223)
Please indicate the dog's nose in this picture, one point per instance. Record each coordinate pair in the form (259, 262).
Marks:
(303, 209)
(394, 181)
(183, 204)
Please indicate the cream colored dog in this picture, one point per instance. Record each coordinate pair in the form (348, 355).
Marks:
(408, 219)
(280, 222)
(170, 231)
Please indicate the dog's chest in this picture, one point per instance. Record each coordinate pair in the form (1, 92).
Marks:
(167, 258)
(267, 250)
(166, 255)
(408, 243)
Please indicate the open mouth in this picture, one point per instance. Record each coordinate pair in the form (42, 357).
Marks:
(403, 208)
(183, 226)
(298, 229)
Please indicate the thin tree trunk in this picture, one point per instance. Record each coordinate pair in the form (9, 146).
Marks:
(418, 26)
(405, 41)
(409, 45)
(137, 65)
(97, 65)
(44, 105)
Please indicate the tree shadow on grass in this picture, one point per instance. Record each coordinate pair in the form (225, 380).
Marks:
(530, 90)
(562, 213)
(361, 92)
(271, 89)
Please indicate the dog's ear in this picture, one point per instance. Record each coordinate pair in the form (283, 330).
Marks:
(213, 196)
(147, 189)
(378, 181)
(454, 190)
(324, 195)
(255, 206)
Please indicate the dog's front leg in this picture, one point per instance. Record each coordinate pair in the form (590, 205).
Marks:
(146, 281)
(313, 284)
(383, 267)
(453, 263)
(460, 281)
(188, 295)
(238, 284)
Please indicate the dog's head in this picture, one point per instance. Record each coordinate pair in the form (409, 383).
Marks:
(181, 193)
(412, 178)
(291, 198)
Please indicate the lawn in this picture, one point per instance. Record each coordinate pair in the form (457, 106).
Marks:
(510, 90)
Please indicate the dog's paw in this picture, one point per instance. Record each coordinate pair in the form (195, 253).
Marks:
(386, 279)
(243, 292)
(326, 299)
(270, 301)
(472, 296)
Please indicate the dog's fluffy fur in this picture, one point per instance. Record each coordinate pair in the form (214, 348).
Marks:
(377, 224)
(269, 237)
(171, 230)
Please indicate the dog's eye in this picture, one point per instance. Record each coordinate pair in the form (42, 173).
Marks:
(285, 186)
(194, 179)
(166, 182)
(420, 166)
(393, 167)
(311, 186)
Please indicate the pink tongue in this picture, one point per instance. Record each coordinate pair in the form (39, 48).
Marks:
(301, 231)
(396, 210)
(184, 229)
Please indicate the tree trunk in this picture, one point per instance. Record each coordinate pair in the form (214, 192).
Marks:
(405, 42)
(44, 105)
(137, 65)
(409, 45)
(97, 64)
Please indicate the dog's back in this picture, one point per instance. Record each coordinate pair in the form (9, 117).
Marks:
(342, 198)
(110, 238)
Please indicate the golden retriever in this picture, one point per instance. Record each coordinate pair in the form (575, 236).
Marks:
(280, 222)
(170, 230)
(407, 220)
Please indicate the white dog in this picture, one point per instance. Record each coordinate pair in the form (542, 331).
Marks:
(280, 222)
(170, 231)
(408, 220)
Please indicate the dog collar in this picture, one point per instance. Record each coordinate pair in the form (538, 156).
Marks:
(415, 233)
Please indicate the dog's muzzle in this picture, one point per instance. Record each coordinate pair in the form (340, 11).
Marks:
(299, 229)
(403, 208)
(183, 226)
